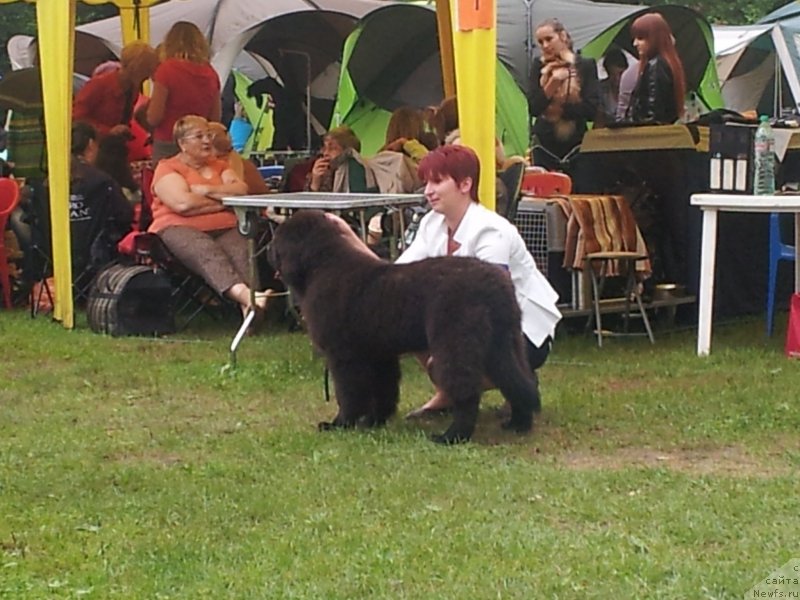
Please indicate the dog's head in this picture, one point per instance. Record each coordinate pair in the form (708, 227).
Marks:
(305, 242)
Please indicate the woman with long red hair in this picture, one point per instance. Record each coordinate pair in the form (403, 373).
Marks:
(659, 93)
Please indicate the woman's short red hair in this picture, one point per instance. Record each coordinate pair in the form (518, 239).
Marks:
(458, 162)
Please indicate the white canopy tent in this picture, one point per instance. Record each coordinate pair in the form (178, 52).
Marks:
(227, 24)
(758, 66)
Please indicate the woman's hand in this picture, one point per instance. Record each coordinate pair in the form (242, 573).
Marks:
(561, 74)
(121, 130)
(396, 145)
(318, 171)
(350, 235)
(174, 192)
(321, 166)
(201, 189)
(231, 186)
(140, 115)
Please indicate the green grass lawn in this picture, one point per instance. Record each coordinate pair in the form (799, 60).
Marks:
(136, 468)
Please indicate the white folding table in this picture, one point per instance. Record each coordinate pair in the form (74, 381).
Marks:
(712, 205)
(247, 209)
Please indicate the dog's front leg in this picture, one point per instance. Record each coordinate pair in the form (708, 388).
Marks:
(465, 415)
(351, 395)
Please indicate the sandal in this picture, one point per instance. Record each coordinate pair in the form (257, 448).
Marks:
(424, 412)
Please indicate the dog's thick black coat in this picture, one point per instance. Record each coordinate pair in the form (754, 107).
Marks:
(363, 313)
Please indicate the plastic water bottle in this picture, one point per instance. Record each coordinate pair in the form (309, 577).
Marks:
(764, 159)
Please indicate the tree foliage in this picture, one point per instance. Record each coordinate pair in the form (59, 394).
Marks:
(723, 12)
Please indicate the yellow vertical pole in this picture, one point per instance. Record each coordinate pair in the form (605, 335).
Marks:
(444, 25)
(135, 22)
(475, 45)
(56, 26)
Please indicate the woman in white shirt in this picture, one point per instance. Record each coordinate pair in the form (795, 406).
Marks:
(459, 225)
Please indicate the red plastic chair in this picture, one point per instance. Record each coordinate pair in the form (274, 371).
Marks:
(546, 183)
(143, 216)
(9, 197)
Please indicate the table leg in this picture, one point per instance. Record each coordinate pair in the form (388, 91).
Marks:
(240, 333)
(402, 233)
(247, 228)
(362, 219)
(707, 262)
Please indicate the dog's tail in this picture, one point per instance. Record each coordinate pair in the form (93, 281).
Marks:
(508, 370)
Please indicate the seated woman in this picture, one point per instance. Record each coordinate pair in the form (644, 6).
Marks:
(188, 214)
(333, 171)
(403, 133)
(659, 94)
(244, 169)
(99, 213)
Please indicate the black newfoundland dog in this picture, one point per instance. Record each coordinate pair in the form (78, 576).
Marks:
(363, 313)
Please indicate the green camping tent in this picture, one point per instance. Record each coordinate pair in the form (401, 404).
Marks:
(256, 111)
(694, 41)
(391, 60)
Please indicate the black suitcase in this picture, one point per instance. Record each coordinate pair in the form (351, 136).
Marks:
(131, 300)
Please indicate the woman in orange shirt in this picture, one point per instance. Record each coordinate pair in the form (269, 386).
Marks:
(189, 217)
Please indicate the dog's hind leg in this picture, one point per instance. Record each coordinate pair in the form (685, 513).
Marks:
(465, 415)
(508, 371)
(458, 372)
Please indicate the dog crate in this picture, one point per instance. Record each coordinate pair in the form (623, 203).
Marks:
(543, 228)
(531, 221)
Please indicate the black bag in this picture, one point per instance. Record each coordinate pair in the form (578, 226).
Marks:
(131, 300)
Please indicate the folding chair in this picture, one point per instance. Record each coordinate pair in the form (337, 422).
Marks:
(191, 295)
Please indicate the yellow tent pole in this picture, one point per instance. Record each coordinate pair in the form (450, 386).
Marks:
(134, 17)
(135, 23)
(475, 46)
(56, 25)
(55, 20)
(444, 25)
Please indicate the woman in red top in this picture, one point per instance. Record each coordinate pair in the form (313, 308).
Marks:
(184, 83)
(188, 214)
(107, 100)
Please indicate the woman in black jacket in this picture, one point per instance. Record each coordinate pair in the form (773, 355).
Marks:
(659, 93)
(564, 95)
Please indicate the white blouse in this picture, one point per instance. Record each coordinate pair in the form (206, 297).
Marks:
(486, 235)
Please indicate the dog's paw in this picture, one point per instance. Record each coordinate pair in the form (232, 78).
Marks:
(519, 425)
(326, 426)
(447, 439)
